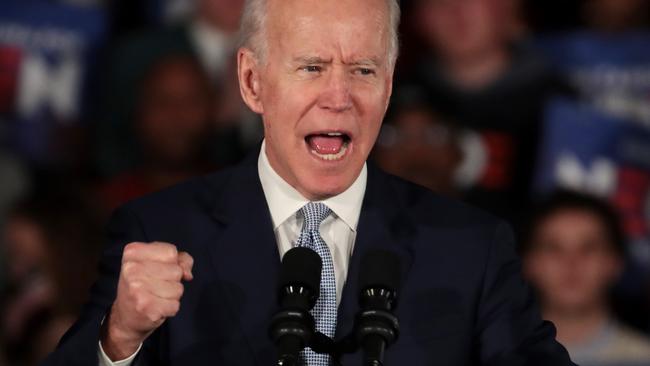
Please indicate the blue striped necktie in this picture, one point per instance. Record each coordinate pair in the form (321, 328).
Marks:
(324, 312)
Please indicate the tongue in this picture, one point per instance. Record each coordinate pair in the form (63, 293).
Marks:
(324, 144)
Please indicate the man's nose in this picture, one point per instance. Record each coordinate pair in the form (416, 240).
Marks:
(337, 96)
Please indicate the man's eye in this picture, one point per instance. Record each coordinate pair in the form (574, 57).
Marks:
(365, 71)
(311, 68)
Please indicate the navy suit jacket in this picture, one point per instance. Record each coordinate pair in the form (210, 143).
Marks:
(463, 300)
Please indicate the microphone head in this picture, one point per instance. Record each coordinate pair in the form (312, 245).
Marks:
(380, 269)
(301, 267)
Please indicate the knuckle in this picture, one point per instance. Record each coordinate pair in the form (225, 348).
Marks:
(171, 253)
(174, 307)
(134, 287)
(141, 305)
(180, 290)
(185, 256)
(130, 250)
(128, 268)
(153, 316)
(190, 260)
(177, 273)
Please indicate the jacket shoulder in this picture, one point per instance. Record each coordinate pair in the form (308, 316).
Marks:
(188, 195)
(428, 208)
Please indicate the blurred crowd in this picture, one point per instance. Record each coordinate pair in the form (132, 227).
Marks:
(536, 111)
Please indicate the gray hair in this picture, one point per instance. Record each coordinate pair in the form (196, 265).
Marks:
(253, 22)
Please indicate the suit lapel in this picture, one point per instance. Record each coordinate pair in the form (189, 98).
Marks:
(246, 257)
(382, 225)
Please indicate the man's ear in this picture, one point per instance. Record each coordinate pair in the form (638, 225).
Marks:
(248, 73)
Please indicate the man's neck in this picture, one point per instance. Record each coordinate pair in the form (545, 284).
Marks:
(577, 327)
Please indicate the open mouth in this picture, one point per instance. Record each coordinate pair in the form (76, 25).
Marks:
(329, 146)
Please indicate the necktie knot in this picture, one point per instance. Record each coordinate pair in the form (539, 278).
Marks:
(314, 213)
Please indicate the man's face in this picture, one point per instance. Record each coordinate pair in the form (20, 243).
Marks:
(174, 112)
(322, 90)
(25, 247)
(572, 262)
(419, 147)
(461, 29)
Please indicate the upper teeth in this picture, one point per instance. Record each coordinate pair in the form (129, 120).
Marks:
(334, 134)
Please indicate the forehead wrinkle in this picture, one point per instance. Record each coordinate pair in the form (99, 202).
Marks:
(307, 29)
(350, 54)
(354, 61)
(312, 60)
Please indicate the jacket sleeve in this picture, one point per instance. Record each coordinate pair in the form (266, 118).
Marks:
(509, 328)
(79, 346)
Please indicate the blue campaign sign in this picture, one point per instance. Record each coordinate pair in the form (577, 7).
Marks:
(578, 148)
(612, 71)
(47, 54)
(586, 150)
(591, 48)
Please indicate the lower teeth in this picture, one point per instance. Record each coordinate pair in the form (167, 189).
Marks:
(336, 156)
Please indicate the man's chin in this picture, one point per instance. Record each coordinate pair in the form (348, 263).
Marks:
(318, 188)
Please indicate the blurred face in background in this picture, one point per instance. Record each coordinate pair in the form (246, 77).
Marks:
(25, 247)
(572, 262)
(419, 148)
(175, 112)
(461, 29)
(223, 14)
(616, 15)
(31, 288)
(322, 90)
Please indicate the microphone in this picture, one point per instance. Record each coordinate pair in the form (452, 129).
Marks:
(377, 327)
(293, 326)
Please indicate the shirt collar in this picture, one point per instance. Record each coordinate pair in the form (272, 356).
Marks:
(284, 200)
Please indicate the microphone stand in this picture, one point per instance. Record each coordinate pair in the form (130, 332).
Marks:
(374, 331)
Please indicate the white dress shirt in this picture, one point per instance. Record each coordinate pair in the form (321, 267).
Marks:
(338, 230)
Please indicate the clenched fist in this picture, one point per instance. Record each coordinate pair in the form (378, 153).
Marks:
(148, 292)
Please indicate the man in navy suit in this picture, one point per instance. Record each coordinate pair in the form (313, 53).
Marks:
(190, 273)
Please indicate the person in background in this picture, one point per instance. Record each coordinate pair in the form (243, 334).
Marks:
(212, 33)
(418, 145)
(15, 184)
(213, 36)
(209, 36)
(52, 239)
(172, 129)
(616, 15)
(478, 73)
(573, 255)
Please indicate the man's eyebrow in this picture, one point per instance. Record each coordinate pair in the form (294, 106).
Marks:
(371, 61)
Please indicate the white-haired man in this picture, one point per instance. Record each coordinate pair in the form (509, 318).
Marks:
(190, 274)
